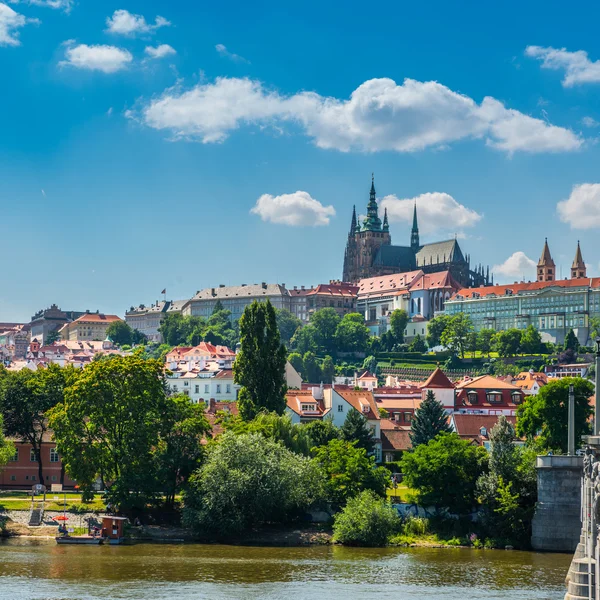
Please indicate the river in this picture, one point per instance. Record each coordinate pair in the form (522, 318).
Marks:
(41, 570)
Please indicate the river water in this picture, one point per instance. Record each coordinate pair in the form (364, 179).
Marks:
(41, 570)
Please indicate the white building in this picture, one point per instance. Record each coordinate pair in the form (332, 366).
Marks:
(147, 319)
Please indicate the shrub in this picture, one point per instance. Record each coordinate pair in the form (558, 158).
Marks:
(416, 526)
(366, 520)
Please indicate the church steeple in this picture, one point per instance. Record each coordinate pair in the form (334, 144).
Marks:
(353, 222)
(546, 269)
(578, 269)
(386, 225)
(414, 234)
(372, 222)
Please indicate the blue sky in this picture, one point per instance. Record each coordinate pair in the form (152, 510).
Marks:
(133, 150)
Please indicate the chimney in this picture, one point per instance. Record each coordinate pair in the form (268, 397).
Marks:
(263, 285)
(221, 285)
(212, 292)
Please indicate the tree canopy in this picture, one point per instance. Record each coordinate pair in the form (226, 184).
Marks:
(356, 429)
(398, 322)
(287, 323)
(430, 419)
(455, 334)
(546, 413)
(351, 334)
(259, 367)
(435, 329)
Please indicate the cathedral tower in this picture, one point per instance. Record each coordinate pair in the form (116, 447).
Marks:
(546, 269)
(414, 234)
(578, 270)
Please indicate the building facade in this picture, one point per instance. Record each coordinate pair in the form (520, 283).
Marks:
(88, 327)
(147, 319)
(51, 319)
(369, 251)
(553, 306)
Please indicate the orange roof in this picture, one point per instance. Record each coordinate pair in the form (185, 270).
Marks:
(358, 399)
(531, 286)
(441, 279)
(97, 318)
(388, 284)
(334, 289)
(485, 382)
(367, 375)
(295, 399)
(470, 424)
(391, 404)
(438, 379)
(395, 439)
(526, 380)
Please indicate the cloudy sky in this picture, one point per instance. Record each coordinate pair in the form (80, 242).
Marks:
(152, 144)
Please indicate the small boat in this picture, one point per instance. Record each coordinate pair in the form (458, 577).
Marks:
(79, 539)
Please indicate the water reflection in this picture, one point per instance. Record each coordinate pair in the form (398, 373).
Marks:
(33, 570)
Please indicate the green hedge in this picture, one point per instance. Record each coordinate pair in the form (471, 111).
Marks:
(440, 356)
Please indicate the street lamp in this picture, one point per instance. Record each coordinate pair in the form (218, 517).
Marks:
(597, 381)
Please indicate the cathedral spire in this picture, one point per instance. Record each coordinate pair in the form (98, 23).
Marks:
(546, 269)
(578, 269)
(414, 234)
(353, 222)
(372, 222)
(386, 225)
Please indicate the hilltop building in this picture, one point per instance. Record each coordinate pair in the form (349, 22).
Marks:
(369, 251)
(88, 327)
(553, 306)
(51, 319)
(147, 319)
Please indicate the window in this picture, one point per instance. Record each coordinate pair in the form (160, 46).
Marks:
(54, 455)
(206, 388)
(472, 397)
(340, 408)
(228, 388)
(516, 398)
(218, 388)
(196, 389)
(186, 383)
(15, 456)
(53, 477)
(32, 455)
(26, 477)
(13, 477)
(33, 478)
(494, 397)
(308, 407)
(407, 417)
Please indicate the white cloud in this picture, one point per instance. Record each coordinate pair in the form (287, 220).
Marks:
(581, 210)
(65, 5)
(589, 122)
(123, 22)
(222, 50)
(380, 115)
(578, 68)
(10, 23)
(516, 266)
(297, 209)
(160, 51)
(108, 59)
(436, 211)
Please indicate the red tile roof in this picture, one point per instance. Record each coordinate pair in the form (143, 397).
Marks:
(97, 318)
(438, 379)
(388, 284)
(395, 439)
(470, 424)
(346, 290)
(359, 399)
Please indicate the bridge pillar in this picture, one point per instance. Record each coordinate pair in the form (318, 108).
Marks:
(556, 524)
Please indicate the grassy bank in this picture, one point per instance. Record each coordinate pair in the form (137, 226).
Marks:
(54, 502)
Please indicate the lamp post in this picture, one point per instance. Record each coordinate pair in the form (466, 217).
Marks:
(597, 381)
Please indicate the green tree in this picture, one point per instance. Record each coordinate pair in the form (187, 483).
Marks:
(594, 328)
(321, 432)
(27, 396)
(507, 342)
(472, 343)
(546, 413)
(247, 481)
(295, 359)
(304, 340)
(51, 337)
(531, 340)
(348, 471)
(310, 368)
(7, 448)
(571, 341)
(444, 472)
(218, 307)
(179, 450)
(485, 340)
(430, 420)
(418, 344)
(327, 369)
(287, 323)
(324, 323)
(366, 520)
(398, 322)
(259, 367)
(456, 333)
(370, 364)
(352, 335)
(435, 329)
(356, 429)
(109, 425)
(120, 333)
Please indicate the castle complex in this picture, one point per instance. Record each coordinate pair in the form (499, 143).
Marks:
(369, 252)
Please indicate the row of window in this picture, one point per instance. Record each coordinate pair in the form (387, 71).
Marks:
(207, 388)
(54, 457)
(492, 397)
(34, 478)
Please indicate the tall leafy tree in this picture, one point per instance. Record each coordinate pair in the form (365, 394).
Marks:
(435, 329)
(260, 364)
(311, 372)
(295, 359)
(429, 421)
(109, 425)
(507, 342)
(456, 333)
(305, 340)
(546, 413)
(398, 322)
(120, 333)
(531, 340)
(485, 340)
(444, 472)
(27, 396)
(418, 344)
(351, 334)
(327, 369)
(325, 322)
(287, 323)
(7, 448)
(356, 429)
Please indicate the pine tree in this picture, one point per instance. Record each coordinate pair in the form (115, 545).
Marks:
(260, 364)
(430, 419)
(571, 341)
(355, 429)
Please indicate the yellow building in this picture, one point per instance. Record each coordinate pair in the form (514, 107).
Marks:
(88, 327)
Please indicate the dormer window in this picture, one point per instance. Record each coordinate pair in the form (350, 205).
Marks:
(472, 397)
(494, 397)
(483, 431)
(308, 407)
(516, 398)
